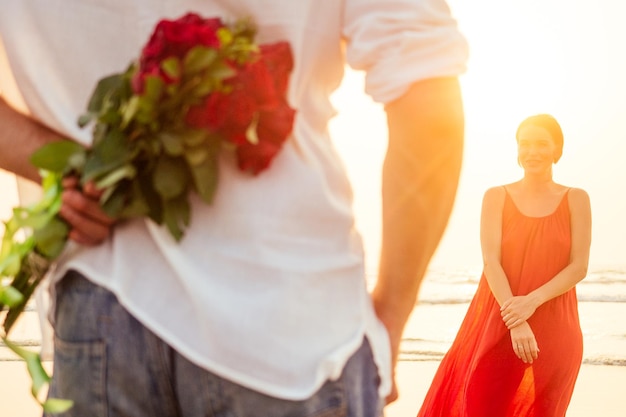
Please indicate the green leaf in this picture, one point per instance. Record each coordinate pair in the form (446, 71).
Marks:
(154, 88)
(172, 90)
(127, 171)
(198, 59)
(136, 206)
(103, 91)
(56, 156)
(36, 370)
(7, 248)
(221, 71)
(196, 155)
(30, 218)
(205, 177)
(194, 137)
(107, 155)
(171, 67)
(204, 86)
(113, 200)
(225, 36)
(148, 101)
(50, 240)
(110, 115)
(57, 406)
(76, 162)
(170, 177)
(205, 174)
(50, 201)
(11, 249)
(10, 297)
(30, 275)
(172, 143)
(10, 265)
(129, 110)
(86, 118)
(176, 215)
(152, 198)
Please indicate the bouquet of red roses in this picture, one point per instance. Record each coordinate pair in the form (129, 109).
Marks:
(200, 88)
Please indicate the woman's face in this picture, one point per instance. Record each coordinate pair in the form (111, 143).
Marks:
(536, 149)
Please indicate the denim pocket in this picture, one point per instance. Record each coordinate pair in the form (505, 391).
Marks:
(80, 375)
(229, 399)
(329, 401)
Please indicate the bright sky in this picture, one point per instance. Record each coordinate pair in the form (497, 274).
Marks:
(564, 57)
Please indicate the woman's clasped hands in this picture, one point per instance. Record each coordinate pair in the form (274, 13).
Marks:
(515, 312)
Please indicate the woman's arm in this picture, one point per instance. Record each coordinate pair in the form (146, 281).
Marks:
(518, 309)
(491, 241)
(523, 339)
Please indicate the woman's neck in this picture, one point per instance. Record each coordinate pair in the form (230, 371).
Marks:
(537, 182)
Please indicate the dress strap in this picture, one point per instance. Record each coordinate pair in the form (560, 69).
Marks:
(565, 194)
(507, 194)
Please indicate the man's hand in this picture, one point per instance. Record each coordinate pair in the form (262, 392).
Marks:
(395, 327)
(81, 209)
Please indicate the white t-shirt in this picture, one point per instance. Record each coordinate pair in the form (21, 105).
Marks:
(267, 287)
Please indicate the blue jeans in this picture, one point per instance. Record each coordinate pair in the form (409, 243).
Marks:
(111, 365)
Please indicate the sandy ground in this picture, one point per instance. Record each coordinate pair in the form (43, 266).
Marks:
(599, 390)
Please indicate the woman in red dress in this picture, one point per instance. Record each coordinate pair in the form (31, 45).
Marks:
(519, 348)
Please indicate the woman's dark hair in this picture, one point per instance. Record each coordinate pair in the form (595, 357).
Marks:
(548, 123)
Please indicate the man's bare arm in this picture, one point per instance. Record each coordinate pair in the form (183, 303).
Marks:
(20, 136)
(420, 179)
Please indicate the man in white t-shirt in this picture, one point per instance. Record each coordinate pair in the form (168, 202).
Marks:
(262, 308)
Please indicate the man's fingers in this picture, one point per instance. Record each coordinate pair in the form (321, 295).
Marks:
(91, 190)
(87, 206)
(84, 239)
(69, 182)
(393, 395)
(84, 228)
(89, 224)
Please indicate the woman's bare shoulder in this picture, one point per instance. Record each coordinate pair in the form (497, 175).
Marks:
(500, 190)
(577, 197)
(495, 195)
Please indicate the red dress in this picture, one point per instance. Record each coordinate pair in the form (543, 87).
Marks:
(480, 376)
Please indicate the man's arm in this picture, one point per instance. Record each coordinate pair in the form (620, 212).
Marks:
(420, 177)
(20, 136)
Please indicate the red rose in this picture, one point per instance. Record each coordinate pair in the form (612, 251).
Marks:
(267, 77)
(174, 38)
(257, 90)
(279, 62)
(254, 158)
(254, 97)
(210, 114)
(239, 112)
(207, 33)
(229, 114)
(276, 125)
